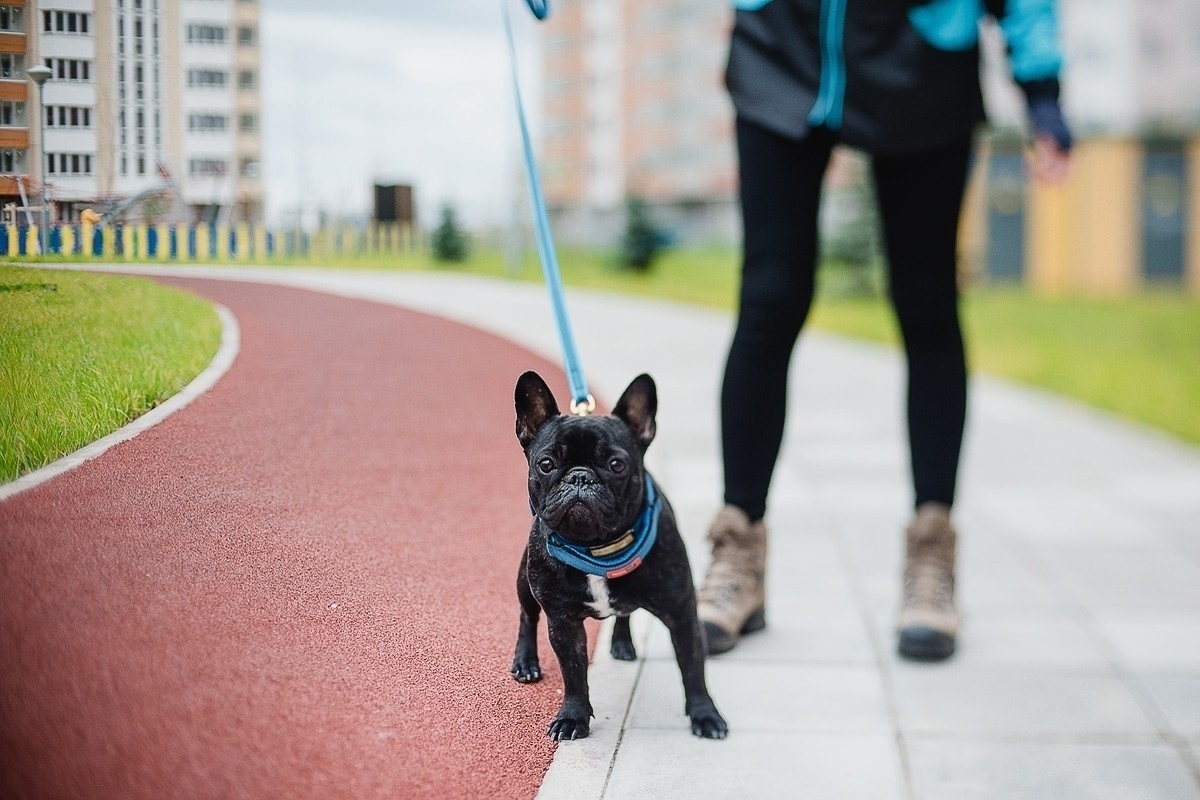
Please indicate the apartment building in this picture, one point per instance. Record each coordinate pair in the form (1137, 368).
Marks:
(17, 98)
(142, 92)
(634, 108)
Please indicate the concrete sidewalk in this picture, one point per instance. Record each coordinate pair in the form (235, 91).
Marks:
(1078, 674)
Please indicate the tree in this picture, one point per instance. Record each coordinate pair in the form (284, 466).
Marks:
(642, 241)
(449, 243)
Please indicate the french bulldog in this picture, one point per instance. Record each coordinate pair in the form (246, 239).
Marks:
(604, 542)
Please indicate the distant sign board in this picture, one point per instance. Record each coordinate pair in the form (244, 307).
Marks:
(394, 203)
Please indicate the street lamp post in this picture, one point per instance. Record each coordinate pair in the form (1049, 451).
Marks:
(39, 75)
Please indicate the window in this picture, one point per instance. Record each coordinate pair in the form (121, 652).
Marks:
(207, 167)
(247, 36)
(207, 34)
(12, 161)
(12, 18)
(12, 66)
(248, 123)
(70, 69)
(247, 79)
(69, 164)
(207, 78)
(208, 122)
(69, 22)
(249, 168)
(12, 114)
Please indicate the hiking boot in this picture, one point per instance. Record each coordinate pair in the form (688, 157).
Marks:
(732, 599)
(928, 622)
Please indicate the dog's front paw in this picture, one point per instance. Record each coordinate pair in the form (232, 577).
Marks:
(526, 670)
(572, 721)
(707, 723)
(568, 728)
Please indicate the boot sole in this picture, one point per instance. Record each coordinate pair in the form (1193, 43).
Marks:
(717, 640)
(925, 644)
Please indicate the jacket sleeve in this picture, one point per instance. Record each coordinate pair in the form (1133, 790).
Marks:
(1031, 29)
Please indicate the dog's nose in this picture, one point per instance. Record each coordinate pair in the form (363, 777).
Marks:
(580, 476)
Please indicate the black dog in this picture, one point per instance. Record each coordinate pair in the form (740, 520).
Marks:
(604, 542)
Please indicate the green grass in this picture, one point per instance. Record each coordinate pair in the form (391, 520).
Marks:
(81, 355)
(1138, 357)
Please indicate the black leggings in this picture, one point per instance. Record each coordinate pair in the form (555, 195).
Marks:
(920, 199)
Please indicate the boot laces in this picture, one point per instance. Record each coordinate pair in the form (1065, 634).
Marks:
(929, 584)
(732, 567)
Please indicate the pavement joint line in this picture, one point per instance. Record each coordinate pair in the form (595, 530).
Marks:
(226, 353)
(845, 554)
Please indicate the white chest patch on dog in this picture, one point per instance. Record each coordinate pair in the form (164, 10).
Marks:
(601, 602)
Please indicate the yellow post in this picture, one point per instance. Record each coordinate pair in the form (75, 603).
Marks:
(13, 246)
(1047, 220)
(109, 238)
(68, 240)
(1192, 245)
(1107, 229)
(243, 243)
(86, 233)
(202, 242)
(260, 243)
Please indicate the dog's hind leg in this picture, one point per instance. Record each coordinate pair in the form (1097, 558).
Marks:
(525, 667)
(622, 647)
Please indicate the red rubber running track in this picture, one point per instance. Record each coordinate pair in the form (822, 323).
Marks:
(299, 586)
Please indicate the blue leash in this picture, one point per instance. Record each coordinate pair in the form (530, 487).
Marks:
(582, 403)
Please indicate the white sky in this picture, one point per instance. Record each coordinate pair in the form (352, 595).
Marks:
(410, 91)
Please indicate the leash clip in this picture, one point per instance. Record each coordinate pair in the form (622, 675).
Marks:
(583, 408)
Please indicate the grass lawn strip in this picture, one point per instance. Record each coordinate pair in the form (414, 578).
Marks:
(81, 355)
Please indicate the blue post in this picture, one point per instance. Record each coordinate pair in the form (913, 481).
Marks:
(212, 242)
(21, 237)
(173, 243)
(270, 243)
(152, 242)
(98, 242)
(191, 244)
(54, 245)
(77, 245)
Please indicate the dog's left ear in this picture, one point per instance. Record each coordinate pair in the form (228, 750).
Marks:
(535, 405)
(637, 408)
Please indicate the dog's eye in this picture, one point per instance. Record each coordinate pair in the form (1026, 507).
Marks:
(546, 465)
(617, 465)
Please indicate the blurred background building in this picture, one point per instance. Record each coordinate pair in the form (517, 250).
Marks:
(152, 111)
(634, 107)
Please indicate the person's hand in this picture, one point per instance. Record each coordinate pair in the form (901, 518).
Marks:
(1050, 161)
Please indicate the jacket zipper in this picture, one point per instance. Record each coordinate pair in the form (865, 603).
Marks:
(831, 94)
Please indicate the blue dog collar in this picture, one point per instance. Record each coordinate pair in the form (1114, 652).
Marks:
(617, 558)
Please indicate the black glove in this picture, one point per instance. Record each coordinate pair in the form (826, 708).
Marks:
(1046, 119)
(1045, 113)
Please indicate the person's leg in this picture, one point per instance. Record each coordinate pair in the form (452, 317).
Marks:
(780, 198)
(920, 201)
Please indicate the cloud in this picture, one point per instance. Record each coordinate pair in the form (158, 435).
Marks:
(417, 95)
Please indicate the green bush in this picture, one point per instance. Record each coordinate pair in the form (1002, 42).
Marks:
(642, 242)
(449, 243)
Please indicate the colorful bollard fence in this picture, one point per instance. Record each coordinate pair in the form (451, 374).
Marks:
(205, 243)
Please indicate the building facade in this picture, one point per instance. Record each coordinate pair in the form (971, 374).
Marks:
(144, 94)
(634, 109)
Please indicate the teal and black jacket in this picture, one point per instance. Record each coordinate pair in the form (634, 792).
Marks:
(888, 76)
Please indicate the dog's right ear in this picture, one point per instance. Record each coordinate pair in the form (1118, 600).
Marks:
(535, 405)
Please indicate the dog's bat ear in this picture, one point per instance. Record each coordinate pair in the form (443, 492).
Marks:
(637, 408)
(535, 405)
